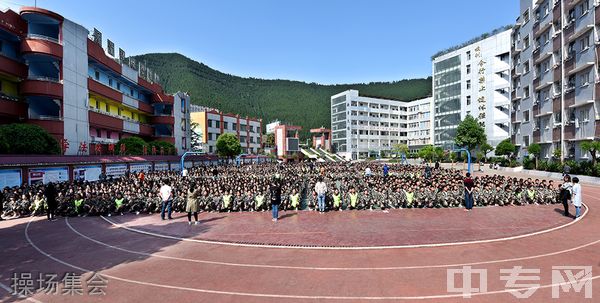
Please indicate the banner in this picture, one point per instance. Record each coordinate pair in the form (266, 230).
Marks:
(47, 175)
(116, 170)
(176, 166)
(137, 167)
(87, 173)
(161, 166)
(10, 178)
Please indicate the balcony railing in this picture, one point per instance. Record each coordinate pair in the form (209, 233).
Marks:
(44, 78)
(43, 37)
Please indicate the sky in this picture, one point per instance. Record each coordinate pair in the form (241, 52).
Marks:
(323, 41)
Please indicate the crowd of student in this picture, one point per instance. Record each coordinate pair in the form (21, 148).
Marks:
(322, 187)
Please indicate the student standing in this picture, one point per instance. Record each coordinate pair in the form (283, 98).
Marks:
(275, 198)
(577, 197)
(566, 191)
(321, 189)
(469, 184)
(50, 193)
(166, 195)
(191, 206)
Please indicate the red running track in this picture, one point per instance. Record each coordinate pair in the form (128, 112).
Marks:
(171, 261)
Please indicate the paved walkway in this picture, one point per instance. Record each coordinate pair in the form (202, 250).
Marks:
(170, 261)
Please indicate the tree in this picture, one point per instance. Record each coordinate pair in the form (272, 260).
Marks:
(486, 149)
(439, 153)
(27, 139)
(168, 148)
(270, 140)
(535, 150)
(427, 153)
(470, 134)
(592, 147)
(453, 157)
(480, 155)
(196, 137)
(228, 146)
(400, 148)
(505, 148)
(134, 146)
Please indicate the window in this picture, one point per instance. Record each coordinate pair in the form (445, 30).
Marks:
(571, 82)
(183, 143)
(526, 67)
(525, 116)
(97, 75)
(468, 69)
(234, 126)
(584, 43)
(584, 7)
(110, 82)
(468, 84)
(118, 85)
(98, 133)
(526, 42)
(218, 124)
(131, 92)
(584, 78)
(468, 56)
(584, 115)
(210, 149)
(526, 16)
(526, 92)
(468, 100)
(571, 16)
(225, 124)
(557, 117)
(526, 140)
(107, 110)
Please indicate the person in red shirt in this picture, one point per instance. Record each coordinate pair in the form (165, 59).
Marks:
(469, 184)
(141, 176)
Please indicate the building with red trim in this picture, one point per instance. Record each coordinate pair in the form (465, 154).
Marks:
(287, 142)
(212, 123)
(55, 75)
(321, 138)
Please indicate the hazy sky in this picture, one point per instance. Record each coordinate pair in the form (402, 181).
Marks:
(324, 41)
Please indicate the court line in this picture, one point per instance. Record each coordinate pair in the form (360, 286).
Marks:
(10, 292)
(326, 268)
(280, 296)
(284, 246)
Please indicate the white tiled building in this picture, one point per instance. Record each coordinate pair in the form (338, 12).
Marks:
(363, 125)
(475, 80)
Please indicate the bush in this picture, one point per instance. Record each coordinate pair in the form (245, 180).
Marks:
(168, 148)
(27, 139)
(574, 166)
(134, 146)
(528, 163)
(543, 165)
(555, 167)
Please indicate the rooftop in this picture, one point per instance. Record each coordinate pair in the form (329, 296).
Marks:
(474, 40)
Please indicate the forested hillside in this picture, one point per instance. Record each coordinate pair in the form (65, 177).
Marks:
(294, 102)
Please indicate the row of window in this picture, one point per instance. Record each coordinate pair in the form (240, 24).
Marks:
(234, 126)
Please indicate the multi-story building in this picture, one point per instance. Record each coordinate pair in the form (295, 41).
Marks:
(473, 79)
(213, 123)
(363, 126)
(419, 124)
(54, 75)
(555, 76)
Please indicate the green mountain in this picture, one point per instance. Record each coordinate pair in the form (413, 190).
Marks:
(292, 102)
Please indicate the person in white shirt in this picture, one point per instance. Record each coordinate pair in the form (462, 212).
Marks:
(576, 197)
(166, 196)
(368, 172)
(321, 189)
